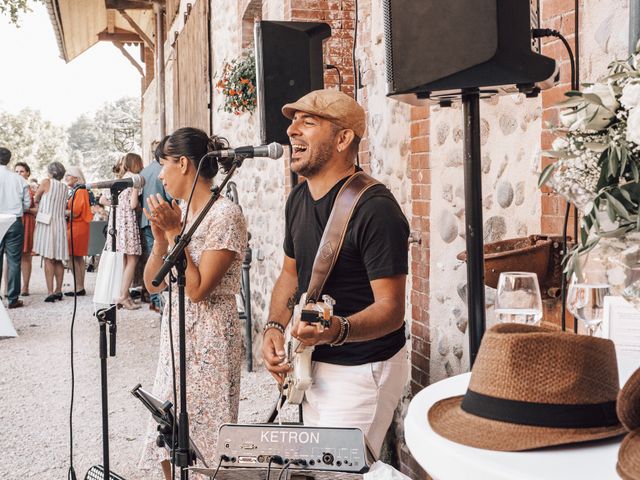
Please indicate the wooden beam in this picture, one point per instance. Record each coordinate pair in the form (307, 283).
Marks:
(120, 46)
(138, 30)
(123, 37)
(111, 21)
(128, 4)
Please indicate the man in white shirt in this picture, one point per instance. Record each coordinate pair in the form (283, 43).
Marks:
(14, 200)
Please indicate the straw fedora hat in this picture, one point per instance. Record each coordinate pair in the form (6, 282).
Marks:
(628, 466)
(534, 387)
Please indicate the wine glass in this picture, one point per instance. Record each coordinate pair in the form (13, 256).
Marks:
(518, 298)
(585, 301)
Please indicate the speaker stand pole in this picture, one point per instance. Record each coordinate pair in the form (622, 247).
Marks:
(473, 221)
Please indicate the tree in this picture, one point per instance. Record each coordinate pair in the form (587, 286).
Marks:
(14, 8)
(33, 140)
(97, 141)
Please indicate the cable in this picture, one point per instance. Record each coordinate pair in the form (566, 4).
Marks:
(273, 459)
(222, 457)
(563, 282)
(333, 67)
(174, 430)
(72, 473)
(284, 469)
(193, 188)
(356, 81)
(547, 32)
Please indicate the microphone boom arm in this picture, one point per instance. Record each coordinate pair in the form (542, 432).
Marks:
(182, 241)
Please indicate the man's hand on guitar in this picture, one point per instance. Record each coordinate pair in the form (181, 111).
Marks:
(309, 334)
(274, 354)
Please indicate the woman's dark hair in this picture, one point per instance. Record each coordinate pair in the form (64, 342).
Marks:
(23, 165)
(194, 144)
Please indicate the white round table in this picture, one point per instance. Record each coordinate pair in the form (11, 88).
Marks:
(447, 460)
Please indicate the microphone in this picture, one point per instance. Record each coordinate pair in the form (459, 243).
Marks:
(273, 150)
(135, 181)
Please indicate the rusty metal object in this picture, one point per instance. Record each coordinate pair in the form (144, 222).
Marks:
(540, 254)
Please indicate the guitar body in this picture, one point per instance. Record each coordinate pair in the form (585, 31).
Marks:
(299, 378)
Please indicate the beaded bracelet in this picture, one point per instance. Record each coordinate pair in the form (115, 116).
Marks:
(269, 325)
(343, 334)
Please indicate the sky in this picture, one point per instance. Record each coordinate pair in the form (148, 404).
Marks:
(32, 74)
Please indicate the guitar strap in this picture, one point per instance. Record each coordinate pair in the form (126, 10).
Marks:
(335, 231)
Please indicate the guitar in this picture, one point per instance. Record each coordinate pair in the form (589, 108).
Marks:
(298, 379)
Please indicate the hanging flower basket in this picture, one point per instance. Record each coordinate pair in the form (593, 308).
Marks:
(238, 84)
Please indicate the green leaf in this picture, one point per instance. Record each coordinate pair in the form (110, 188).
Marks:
(611, 212)
(614, 233)
(613, 162)
(635, 172)
(546, 173)
(617, 206)
(584, 235)
(597, 147)
(624, 156)
(594, 99)
(573, 93)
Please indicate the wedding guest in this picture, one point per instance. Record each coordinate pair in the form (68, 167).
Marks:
(152, 187)
(14, 200)
(29, 222)
(127, 228)
(51, 232)
(80, 217)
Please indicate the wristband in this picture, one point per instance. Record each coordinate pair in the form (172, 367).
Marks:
(269, 325)
(343, 334)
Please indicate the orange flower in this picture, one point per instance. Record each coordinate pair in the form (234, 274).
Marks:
(232, 92)
(244, 80)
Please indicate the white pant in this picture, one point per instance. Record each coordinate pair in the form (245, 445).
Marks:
(363, 396)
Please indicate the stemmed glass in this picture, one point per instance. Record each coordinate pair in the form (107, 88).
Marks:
(518, 298)
(585, 301)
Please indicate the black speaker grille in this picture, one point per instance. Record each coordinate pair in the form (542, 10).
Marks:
(97, 473)
(388, 43)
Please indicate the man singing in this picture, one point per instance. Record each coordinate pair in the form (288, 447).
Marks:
(357, 380)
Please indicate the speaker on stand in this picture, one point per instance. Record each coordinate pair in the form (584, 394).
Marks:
(289, 65)
(462, 50)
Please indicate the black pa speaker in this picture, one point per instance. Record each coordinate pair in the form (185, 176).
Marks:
(289, 65)
(451, 45)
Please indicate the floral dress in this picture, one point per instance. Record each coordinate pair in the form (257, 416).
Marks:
(127, 227)
(213, 341)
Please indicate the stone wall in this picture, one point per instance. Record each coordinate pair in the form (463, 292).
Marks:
(510, 138)
(260, 182)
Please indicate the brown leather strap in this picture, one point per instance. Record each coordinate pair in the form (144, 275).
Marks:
(335, 230)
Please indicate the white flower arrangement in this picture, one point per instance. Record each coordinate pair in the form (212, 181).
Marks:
(598, 156)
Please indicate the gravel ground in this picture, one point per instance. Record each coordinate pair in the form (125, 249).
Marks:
(35, 388)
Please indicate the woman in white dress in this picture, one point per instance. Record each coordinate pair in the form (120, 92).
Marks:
(51, 229)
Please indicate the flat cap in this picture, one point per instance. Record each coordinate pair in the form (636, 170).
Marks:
(333, 105)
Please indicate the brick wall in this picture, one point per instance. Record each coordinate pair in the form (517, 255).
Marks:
(420, 255)
(557, 15)
(340, 15)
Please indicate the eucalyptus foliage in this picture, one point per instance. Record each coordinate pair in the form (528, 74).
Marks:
(598, 156)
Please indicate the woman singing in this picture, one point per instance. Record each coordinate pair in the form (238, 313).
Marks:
(214, 259)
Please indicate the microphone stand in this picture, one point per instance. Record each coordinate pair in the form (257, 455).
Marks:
(107, 316)
(176, 258)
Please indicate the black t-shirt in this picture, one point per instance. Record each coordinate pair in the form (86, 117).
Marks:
(375, 246)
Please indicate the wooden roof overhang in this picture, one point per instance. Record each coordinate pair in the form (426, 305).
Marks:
(80, 24)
